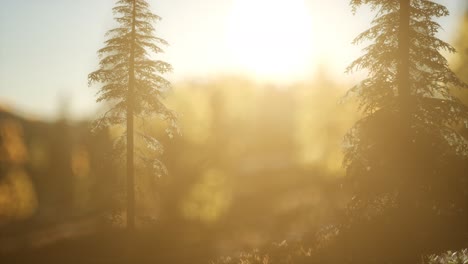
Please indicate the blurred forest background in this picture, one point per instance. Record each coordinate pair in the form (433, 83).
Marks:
(255, 164)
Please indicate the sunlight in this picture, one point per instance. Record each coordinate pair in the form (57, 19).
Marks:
(271, 39)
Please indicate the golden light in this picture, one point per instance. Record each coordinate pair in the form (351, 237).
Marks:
(209, 198)
(272, 39)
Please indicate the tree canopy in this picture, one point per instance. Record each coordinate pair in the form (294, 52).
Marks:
(405, 159)
(432, 109)
(131, 81)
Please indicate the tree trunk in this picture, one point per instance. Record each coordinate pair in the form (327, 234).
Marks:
(406, 154)
(130, 133)
(404, 54)
(403, 159)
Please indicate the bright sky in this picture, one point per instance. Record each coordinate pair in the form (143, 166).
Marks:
(48, 47)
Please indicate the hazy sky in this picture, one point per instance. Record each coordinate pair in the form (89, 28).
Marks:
(47, 47)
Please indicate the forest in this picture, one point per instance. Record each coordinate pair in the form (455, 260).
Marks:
(231, 168)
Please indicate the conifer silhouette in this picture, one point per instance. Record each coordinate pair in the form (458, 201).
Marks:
(405, 158)
(407, 90)
(131, 81)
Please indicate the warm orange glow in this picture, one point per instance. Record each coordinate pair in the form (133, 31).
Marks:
(80, 162)
(18, 198)
(243, 139)
(209, 198)
(12, 149)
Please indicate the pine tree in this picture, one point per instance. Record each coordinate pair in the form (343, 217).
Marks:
(131, 81)
(403, 157)
(408, 84)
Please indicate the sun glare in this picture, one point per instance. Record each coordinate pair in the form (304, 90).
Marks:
(272, 39)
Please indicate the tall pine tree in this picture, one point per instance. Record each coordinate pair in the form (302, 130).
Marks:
(404, 158)
(131, 81)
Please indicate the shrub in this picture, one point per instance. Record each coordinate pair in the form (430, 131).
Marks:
(450, 257)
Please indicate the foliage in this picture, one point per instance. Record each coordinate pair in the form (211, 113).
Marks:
(131, 81)
(405, 161)
(116, 58)
(374, 147)
(450, 257)
(434, 108)
(276, 253)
